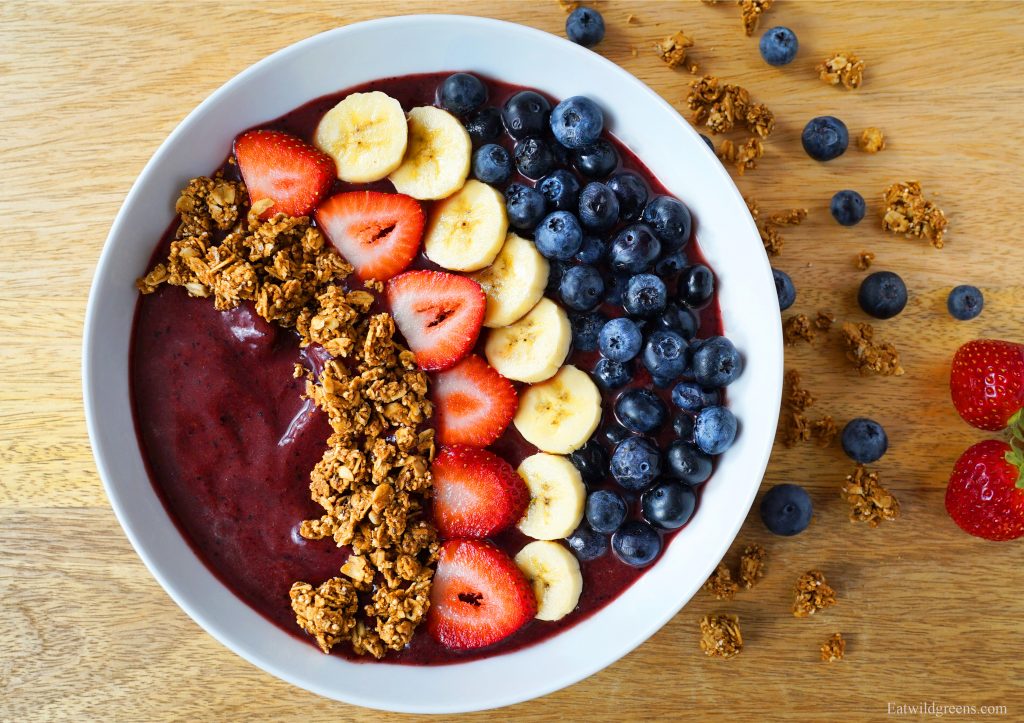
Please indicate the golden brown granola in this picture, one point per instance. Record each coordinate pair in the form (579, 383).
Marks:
(568, 5)
(672, 50)
(789, 217)
(865, 259)
(720, 636)
(771, 238)
(795, 397)
(842, 68)
(327, 612)
(824, 320)
(812, 594)
(869, 501)
(722, 106)
(796, 428)
(824, 430)
(751, 12)
(907, 212)
(797, 327)
(795, 425)
(721, 584)
(768, 227)
(752, 565)
(868, 355)
(832, 650)
(743, 156)
(871, 140)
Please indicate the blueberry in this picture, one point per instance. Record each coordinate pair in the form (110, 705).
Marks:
(620, 339)
(779, 46)
(672, 263)
(662, 382)
(585, 330)
(670, 219)
(636, 463)
(556, 270)
(577, 122)
(668, 505)
(491, 164)
(864, 440)
(605, 511)
(965, 302)
(825, 138)
(882, 294)
(610, 374)
(631, 191)
(645, 295)
(526, 114)
(716, 363)
(581, 287)
(708, 142)
(784, 289)
(524, 206)
(593, 250)
(615, 287)
(696, 286)
(485, 126)
(640, 410)
(634, 249)
(847, 207)
(714, 430)
(682, 427)
(587, 544)
(592, 462)
(616, 433)
(786, 509)
(599, 208)
(559, 236)
(533, 157)
(687, 463)
(691, 397)
(636, 544)
(596, 160)
(665, 354)
(462, 93)
(561, 190)
(679, 319)
(585, 26)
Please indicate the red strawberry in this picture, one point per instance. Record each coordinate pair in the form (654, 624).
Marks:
(476, 493)
(987, 382)
(290, 172)
(985, 495)
(439, 315)
(479, 596)
(474, 404)
(379, 233)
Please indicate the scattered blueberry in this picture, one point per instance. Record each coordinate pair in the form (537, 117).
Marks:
(640, 410)
(585, 26)
(533, 157)
(485, 126)
(786, 509)
(847, 207)
(779, 46)
(645, 295)
(668, 505)
(825, 138)
(634, 249)
(620, 339)
(707, 141)
(616, 433)
(491, 164)
(965, 302)
(587, 544)
(596, 160)
(526, 114)
(679, 319)
(592, 462)
(682, 427)
(714, 430)
(696, 286)
(670, 219)
(556, 270)
(599, 208)
(610, 374)
(864, 440)
(561, 190)
(605, 511)
(636, 462)
(577, 122)
(524, 206)
(581, 287)
(716, 363)
(585, 330)
(784, 288)
(636, 544)
(687, 463)
(593, 250)
(559, 236)
(692, 397)
(631, 191)
(462, 93)
(671, 263)
(882, 294)
(665, 354)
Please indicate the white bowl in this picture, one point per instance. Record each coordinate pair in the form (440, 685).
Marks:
(331, 62)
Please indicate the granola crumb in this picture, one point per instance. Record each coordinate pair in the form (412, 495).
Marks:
(832, 650)
(813, 593)
(768, 227)
(720, 636)
(843, 68)
(722, 106)
(374, 285)
(752, 565)
(871, 140)
(796, 428)
(672, 50)
(721, 584)
(909, 213)
(824, 320)
(824, 430)
(797, 327)
(869, 501)
(751, 12)
(743, 156)
(568, 5)
(771, 238)
(753, 207)
(789, 217)
(865, 259)
(796, 398)
(868, 355)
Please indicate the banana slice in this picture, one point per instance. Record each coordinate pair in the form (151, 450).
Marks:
(559, 415)
(436, 161)
(557, 496)
(366, 134)
(533, 348)
(466, 231)
(555, 576)
(514, 283)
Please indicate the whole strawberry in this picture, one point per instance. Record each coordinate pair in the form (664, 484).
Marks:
(987, 382)
(985, 496)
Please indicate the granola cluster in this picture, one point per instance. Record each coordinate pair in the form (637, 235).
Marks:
(722, 106)
(871, 140)
(744, 155)
(796, 426)
(813, 593)
(869, 355)
(842, 68)
(869, 501)
(751, 12)
(832, 650)
(721, 584)
(797, 327)
(865, 259)
(751, 569)
(768, 226)
(909, 213)
(672, 50)
(720, 636)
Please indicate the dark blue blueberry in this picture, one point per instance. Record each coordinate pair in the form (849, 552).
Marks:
(825, 138)
(615, 287)
(620, 339)
(581, 287)
(592, 462)
(462, 93)
(491, 164)
(585, 330)
(616, 433)
(668, 505)
(692, 397)
(605, 511)
(687, 463)
(640, 410)
(631, 190)
(864, 440)
(672, 263)
(634, 249)
(526, 114)
(679, 319)
(558, 236)
(670, 219)
(524, 206)
(882, 294)
(561, 190)
(585, 26)
(577, 122)
(708, 142)
(714, 430)
(599, 208)
(786, 509)
(682, 427)
(847, 207)
(596, 160)
(784, 289)
(636, 463)
(716, 363)
(556, 270)
(533, 157)
(965, 302)
(665, 354)
(779, 46)
(645, 295)
(636, 543)
(593, 250)
(587, 544)
(485, 126)
(610, 374)
(696, 286)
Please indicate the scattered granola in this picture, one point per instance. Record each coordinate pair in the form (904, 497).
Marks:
(751, 12)
(842, 68)
(721, 584)
(832, 650)
(568, 5)
(795, 397)
(720, 636)
(824, 430)
(752, 565)
(768, 227)
(824, 320)
(789, 217)
(744, 156)
(722, 106)
(864, 260)
(868, 355)
(871, 140)
(672, 50)
(907, 212)
(771, 238)
(869, 501)
(796, 428)
(797, 327)
(812, 594)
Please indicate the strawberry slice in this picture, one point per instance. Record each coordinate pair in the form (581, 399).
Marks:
(439, 315)
(474, 404)
(379, 233)
(478, 597)
(290, 172)
(987, 382)
(476, 493)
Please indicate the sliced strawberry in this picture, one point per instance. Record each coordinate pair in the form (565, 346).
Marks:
(474, 404)
(290, 172)
(478, 597)
(439, 315)
(476, 493)
(987, 382)
(379, 233)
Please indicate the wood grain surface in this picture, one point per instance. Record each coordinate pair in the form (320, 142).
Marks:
(90, 88)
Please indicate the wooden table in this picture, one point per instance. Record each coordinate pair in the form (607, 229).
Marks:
(91, 88)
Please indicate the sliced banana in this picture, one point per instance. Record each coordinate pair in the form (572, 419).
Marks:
(560, 414)
(557, 496)
(436, 161)
(366, 134)
(555, 576)
(514, 283)
(533, 348)
(466, 231)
